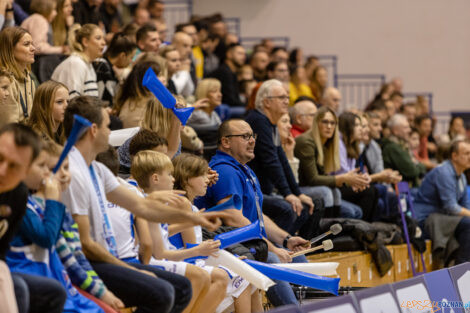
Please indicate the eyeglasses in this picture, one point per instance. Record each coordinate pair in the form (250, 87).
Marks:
(308, 114)
(282, 98)
(328, 123)
(246, 137)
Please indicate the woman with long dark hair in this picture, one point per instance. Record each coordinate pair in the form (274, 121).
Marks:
(366, 196)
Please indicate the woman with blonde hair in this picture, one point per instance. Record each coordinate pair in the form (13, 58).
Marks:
(50, 101)
(62, 22)
(318, 153)
(39, 26)
(208, 92)
(16, 56)
(76, 72)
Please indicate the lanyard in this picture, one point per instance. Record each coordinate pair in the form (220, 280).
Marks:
(107, 230)
(24, 104)
(255, 190)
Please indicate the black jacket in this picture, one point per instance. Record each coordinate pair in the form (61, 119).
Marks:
(270, 163)
(229, 81)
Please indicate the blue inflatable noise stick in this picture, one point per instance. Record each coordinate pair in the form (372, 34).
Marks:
(242, 234)
(183, 114)
(152, 83)
(235, 202)
(296, 277)
(80, 125)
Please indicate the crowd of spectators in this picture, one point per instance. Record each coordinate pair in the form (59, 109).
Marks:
(109, 231)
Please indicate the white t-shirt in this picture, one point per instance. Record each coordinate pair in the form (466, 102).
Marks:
(123, 225)
(183, 83)
(197, 229)
(81, 198)
(78, 75)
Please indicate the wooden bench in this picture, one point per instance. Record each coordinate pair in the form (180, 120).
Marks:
(356, 269)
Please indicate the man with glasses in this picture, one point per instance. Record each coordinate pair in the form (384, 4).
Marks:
(236, 146)
(288, 207)
(301, 115)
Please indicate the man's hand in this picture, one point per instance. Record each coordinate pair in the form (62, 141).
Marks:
(295, 203)
(171, 197)
(297, 243)
(283, 255)
(208, 220)
(213, 177)
(308, 201)
(110, 299)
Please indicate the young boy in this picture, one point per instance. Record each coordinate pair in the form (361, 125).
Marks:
(153, 172)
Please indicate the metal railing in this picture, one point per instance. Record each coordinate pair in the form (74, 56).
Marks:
(442, 122)
(233, 25)
(176, 12)
(358, 89)
(251, 41)
(443, 119)
(330, 62)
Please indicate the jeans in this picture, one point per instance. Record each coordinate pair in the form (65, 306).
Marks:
(167, 293)
(462, 233)
(330, 196)
(38, 294)
(282, 213)
(350, 210)
(282, 293)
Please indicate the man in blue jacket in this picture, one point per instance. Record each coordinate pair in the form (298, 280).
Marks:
(444, 192)
(236, 143)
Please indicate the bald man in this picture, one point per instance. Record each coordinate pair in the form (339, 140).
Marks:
(184, 43)
(302, 114)
(396, 154)
(332, 99)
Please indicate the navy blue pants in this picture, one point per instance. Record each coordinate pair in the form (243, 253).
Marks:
(38, 294)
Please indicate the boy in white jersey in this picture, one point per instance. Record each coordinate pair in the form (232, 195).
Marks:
(124, 226)
(153, 172)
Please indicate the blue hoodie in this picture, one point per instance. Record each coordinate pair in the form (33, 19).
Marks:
(234, 178)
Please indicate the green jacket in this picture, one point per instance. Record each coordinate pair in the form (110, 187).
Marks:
(397, 157)
(310, 173)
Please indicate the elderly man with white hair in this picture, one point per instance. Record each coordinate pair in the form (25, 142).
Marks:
(332, 99)
(301, 115)
(395, 151)
(289, 209)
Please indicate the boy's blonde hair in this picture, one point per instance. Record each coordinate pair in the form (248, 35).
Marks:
(146, 163)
